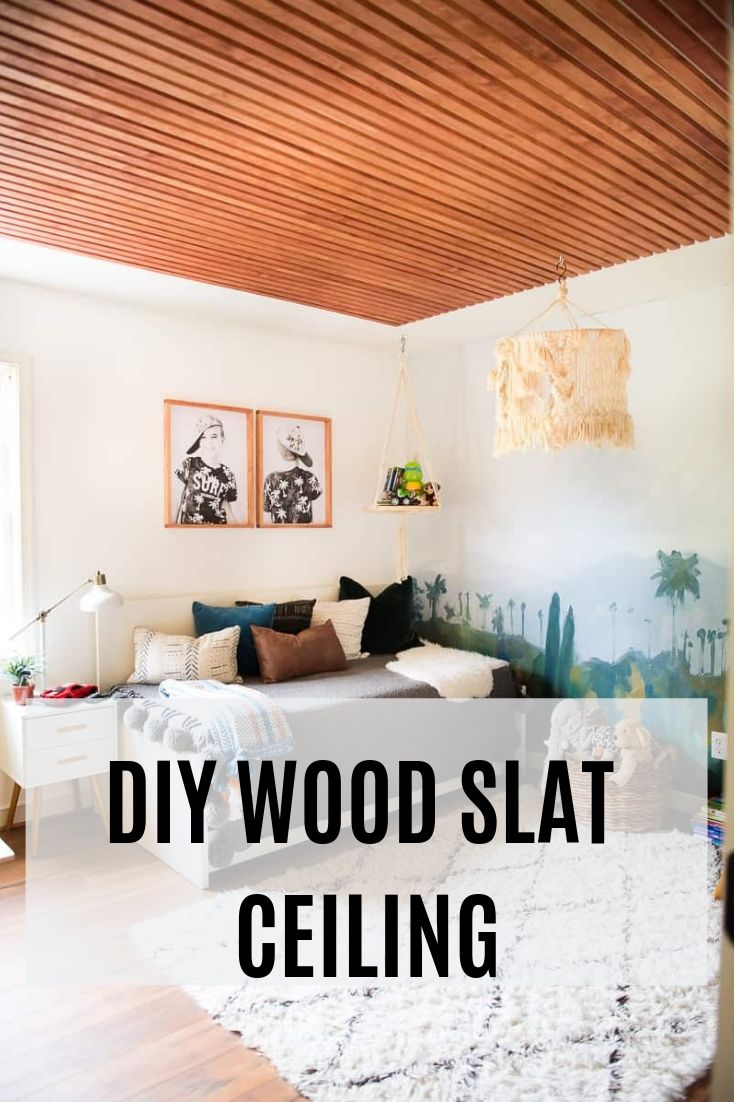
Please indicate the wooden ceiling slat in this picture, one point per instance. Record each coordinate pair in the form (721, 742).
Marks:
(444, 250)
(274, 282)
(389, 158)
(721, 9)
(642, 54)
(146, 253)
(439, 214)
(249, 239)
(459, 184)
(411, 258)
(446, 211)
(515, 130)
(690, 28)
(498, 100)
(34, 134)
(657, 108)
(152, 158)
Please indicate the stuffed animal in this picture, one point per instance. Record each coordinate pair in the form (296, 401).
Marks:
(572, 724)
(634, 744)
(428, 494)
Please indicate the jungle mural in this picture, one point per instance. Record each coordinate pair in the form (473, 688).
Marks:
(666, 642)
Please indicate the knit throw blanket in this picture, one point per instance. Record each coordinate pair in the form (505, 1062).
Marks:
(227, 722)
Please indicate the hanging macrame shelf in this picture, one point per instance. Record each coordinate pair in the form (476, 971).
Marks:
(418, 454)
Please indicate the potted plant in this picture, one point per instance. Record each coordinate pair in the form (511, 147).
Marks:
(21, 670)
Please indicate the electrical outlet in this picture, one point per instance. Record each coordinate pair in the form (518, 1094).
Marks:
(719, 745)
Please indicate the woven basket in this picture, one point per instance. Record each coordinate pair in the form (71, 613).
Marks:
(639, 805)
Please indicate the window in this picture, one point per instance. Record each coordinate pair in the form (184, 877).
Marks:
(11, 589)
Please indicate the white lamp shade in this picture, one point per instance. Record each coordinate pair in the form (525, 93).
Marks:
(99, 597)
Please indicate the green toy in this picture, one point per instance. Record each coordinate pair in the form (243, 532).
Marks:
(412, 482)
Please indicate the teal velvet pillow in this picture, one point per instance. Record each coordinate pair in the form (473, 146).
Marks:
(211, 618)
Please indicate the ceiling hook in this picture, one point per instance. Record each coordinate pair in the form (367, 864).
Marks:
(403, 346)
(561, 269)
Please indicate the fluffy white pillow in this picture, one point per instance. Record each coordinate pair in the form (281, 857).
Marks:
(348, 618)
(183, 658)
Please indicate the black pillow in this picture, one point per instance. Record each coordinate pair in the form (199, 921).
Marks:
(390, 619)
(290, 617)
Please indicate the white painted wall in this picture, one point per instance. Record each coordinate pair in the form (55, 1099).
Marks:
(585, 522)
(98, 372)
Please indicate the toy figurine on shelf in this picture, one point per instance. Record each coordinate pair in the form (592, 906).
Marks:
(412, 482)
(428, 495)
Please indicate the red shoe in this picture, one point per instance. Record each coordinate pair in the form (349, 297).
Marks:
(69, 692)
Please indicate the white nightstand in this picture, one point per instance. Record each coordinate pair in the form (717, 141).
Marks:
(41, 744)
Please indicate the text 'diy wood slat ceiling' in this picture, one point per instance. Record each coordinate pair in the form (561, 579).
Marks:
(390, 160)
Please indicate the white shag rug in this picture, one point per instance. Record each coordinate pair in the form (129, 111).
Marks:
(455, 674)
(524, 1037)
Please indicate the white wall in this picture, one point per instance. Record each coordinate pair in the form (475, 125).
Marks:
(99, 372)
(584, 522)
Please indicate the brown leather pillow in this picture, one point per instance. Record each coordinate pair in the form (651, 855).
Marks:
(314, 650)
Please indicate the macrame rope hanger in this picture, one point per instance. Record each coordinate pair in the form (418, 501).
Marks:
(562, 302)
(403, 389)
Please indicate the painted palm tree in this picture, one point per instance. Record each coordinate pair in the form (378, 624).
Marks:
(678, 575)
(648, 635)
(688, 656)
(685, 644)
(434, 590)
(467, 613)
(449, 612)
(723, 644)
(613, 614)
(702, 636)
(540, 615)
(524, 606)
(511, 609)
(498, 622)
(483, 600)
(712, 640)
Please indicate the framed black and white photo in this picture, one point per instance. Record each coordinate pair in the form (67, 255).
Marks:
(294, 470)
(208, 466)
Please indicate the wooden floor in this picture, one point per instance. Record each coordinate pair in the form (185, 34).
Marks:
(117, 1043)
(112, 1043)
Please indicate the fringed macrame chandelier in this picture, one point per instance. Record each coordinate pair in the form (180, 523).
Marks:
(561, 387)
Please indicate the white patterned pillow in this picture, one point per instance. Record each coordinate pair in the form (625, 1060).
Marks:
(348, 618)
(183, 658)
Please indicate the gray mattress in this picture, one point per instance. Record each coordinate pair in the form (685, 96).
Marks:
(364, 679)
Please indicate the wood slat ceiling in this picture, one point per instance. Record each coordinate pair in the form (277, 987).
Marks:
(391, 159)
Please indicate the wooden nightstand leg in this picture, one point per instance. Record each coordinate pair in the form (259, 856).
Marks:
(13, 806)
(36, 816)
(97, 793)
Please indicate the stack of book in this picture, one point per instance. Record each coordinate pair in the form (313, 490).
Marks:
(709, 822)
(392, 480)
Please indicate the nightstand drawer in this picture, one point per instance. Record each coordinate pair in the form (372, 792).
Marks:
(68, 729)
(67, 761)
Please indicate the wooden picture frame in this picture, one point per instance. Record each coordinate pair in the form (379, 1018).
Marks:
(311, 437)
(196, 494)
